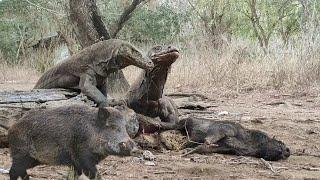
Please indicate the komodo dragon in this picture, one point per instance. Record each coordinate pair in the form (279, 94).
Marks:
(231, 138)
(145, 95)
(89, 69)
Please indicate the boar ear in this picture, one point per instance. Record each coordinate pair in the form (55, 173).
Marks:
(103, 115)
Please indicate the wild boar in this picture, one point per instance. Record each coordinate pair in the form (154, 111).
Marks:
(77, 136)
(231, 138)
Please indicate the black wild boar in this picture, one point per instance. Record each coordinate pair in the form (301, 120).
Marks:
(77, 136)
(231, 138)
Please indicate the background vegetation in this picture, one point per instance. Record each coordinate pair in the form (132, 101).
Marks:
(239, 45)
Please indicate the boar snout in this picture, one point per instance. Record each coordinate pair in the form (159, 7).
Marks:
(274, 151)
(126, 147)
(286, 153)
(136, 152)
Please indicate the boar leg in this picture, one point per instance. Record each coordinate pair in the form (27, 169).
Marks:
(209, 145)
(240, 148)
(214, 138)
(229, 145)
(203, 149)
(19, 166)
(222, 132)
(87, 165)
(91, 172)
(211, 148)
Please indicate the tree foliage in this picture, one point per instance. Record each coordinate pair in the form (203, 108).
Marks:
(162, 24)
(164, 21)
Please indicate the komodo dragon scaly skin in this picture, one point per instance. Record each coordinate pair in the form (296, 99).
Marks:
(145, 96)
(88, 69)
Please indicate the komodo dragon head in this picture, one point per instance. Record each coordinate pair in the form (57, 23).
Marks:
(132, 56)
(149, 86)
(163, 55)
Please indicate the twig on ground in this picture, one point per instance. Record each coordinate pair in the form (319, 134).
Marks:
(188, 111)
(268, 165)
(105, 172)
(275, 103)
(108, 170)
(190, 152)
(188, 95)
(284, 168)
(306, 154)
(164, 172)
(311, 168)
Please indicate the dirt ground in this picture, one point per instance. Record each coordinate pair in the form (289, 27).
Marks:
(292, 118)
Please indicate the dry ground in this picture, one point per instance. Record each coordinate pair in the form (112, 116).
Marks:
(293, 118)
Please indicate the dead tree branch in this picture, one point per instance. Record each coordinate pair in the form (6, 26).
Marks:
(216, 22)
(264, 34)
(126, 15)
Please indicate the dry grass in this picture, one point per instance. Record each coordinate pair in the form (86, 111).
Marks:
(242, 67)
(17, 74)
(239, 67)
(17, 78)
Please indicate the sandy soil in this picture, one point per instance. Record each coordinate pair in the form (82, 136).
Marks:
(292, 118)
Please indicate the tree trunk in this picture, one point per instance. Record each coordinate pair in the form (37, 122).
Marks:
(90, 29)
(87, 22)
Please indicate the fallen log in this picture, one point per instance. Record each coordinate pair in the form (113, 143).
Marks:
(14, 104)
(35, 96)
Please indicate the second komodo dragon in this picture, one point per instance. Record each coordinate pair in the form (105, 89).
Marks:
(89, 69)
(145, 95)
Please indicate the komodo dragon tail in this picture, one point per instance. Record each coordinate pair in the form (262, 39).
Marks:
(48, 80)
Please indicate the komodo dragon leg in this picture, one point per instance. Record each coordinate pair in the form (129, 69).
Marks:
(88, 87)
(111, 100)
(165, 109)
(168, 110)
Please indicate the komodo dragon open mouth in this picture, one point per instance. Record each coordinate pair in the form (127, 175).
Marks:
(166, 55)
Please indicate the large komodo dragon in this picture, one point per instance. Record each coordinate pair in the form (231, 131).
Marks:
(231, 138)
(145, 95)
(89, 69)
